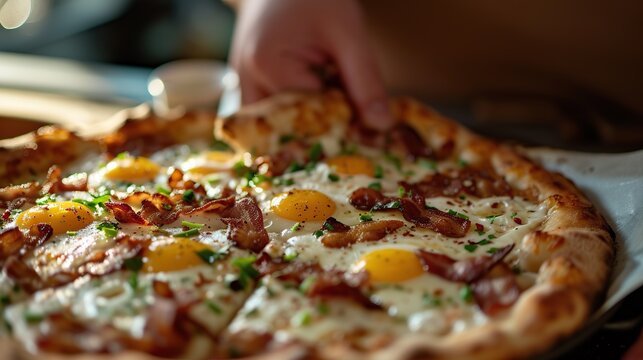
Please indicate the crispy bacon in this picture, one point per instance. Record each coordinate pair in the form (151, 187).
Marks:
(333, 225)
(403, 138)
(367, 231)
(29, 190)
(14, 242)
(56, 184)
(159, 210)
(23, 275)
(467, 270)
(434, 219)
(292, 152)
(245, 225)
(413, 210)
(213, 206)
(124, 213)
(367, 199)
(177, 181)
(472, 181)
(497, 290)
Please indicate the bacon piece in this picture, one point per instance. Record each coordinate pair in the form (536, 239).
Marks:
(434, 219)
(29, 190)
(159, 210)
(335, 226)
(56, 184)
(467, 270)
(406, 140)
(291, 152)
(472, 181)
(367, 199)
(124, 213)
(213, 206)
(177, 181)
(497, 290)
(245, 225)
(367, 231)
(23, 275)
(14, 242)
(136, 197)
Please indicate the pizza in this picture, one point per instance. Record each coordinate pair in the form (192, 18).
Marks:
(293, 233)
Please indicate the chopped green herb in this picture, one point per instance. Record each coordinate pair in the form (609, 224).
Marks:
(46, 199)
(431, 301)
(466, 293)
(391, 205)
(134, 263)
(307, 283)
(323, 308)
(428, 164)
(365, 217)
(401, 191)
(290, 254)
(214, 181)
(315, 153)
(379, 172)
(347, 149)
(187, 233)
(108, 228)
(491, 236)
(240, 168)
(333, 177)
(375, 186)
(219, 145)
(328, 226)
(163, 190)
(295, 227)
(470, 247)
(284, 139)
(210, 257)
(213, 307)
(462, 197)
(133, 280)
(15, 212)
(302, 318)
(492, 250)
(493, 218)
(460, 215)
(294, 167)
(318, 233)
(122, 155)
(483, 242)
(188, 195)
(72, 233)
(462, 163)
(191, 225)
(397, 163)
(33, 318)
(247, 271)
(5, 300)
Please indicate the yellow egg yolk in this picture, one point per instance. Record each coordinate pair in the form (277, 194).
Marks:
(303, 205)
(133, 169)
(212, 161)
(390, 265)
(175, 255)
(63, 216)
(351, 165)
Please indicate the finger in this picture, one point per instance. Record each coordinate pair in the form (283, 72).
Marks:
(286, 71)
(362, 79)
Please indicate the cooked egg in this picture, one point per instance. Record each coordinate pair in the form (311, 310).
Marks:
(303, 205)
(63, 216)
(351, 165)
(131, 169)
(209, 162)
(173, 255)
(390, 265)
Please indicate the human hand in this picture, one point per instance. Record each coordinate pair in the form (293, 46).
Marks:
(277, 42)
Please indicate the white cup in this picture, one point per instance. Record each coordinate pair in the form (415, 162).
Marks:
(188, 84)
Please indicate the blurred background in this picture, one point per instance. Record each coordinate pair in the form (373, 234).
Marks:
(102, 52)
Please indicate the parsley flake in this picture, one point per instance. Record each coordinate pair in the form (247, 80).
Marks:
(333, 177)
(365, 217)
(470, 247)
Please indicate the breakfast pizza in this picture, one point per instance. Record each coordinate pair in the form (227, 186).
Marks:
(293, 233)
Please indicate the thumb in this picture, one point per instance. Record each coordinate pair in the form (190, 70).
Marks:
(361, 76)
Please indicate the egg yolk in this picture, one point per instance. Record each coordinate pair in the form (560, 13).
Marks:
(352, 165)
(179, 254)
(63, 216)
(212, 161)
(134, 169)
(390, 265)
(303, 205)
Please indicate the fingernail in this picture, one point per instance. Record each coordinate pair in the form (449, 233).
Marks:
(377, 116)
